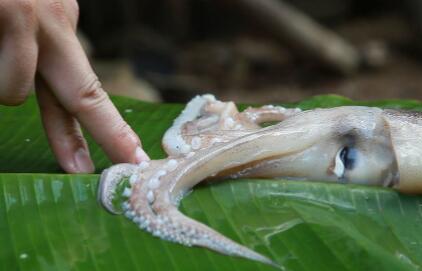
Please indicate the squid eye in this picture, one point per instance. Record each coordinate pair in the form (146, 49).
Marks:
(348, 156)
(345, 160)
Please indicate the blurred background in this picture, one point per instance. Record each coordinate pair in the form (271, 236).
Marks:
(255, 51)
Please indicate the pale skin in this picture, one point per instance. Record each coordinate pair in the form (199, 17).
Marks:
(211, 140)
(38, 46)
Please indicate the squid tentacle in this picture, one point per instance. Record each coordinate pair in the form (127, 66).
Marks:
(206, 121)
(212, 139)
(110, 178)
(164, 219)
(155, 195)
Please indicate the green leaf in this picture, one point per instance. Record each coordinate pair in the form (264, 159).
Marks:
(51, 221)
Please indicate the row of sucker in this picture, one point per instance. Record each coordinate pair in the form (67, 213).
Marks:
(167, 222)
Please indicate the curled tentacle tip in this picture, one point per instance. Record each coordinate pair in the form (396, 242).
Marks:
(105, 193)
(109, 180)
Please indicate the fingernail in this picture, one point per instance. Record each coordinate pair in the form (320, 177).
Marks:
(140, 155)
(83, 161)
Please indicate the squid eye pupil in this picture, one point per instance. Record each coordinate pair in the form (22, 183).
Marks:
(348, 156)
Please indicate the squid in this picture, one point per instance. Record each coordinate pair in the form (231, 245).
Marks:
(212, 140)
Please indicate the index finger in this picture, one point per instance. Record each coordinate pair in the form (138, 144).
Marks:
(64, 65)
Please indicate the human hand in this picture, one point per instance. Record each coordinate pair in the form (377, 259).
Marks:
(38, 43)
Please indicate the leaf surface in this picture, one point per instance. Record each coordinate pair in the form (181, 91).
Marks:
(51, 221)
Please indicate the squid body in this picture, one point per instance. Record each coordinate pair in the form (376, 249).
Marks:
(212, 139)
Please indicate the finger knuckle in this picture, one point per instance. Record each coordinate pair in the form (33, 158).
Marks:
(24, 7)
(70, 133)
(73, 131)
(122, 132)
(56, 8)
(89, 96)
(9, 9)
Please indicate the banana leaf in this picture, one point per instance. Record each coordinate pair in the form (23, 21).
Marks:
(51, 221)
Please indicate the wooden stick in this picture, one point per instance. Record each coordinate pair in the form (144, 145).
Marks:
(302, 34)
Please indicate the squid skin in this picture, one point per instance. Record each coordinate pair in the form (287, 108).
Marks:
(212, 139)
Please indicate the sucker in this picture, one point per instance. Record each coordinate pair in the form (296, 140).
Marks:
(212, 139)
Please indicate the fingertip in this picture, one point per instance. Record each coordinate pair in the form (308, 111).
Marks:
(127, 148)
(77, 162)
(83, 161)
(68, 165)
(140, 155)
